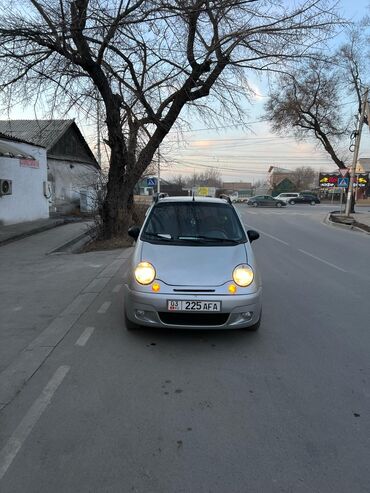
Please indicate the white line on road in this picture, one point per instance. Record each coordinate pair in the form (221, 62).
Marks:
(15, 442)
(117, 288)
(321, 260)
(84, 337)
(104, 306)
(273, 237)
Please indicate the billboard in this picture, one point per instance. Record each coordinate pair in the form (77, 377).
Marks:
(331, 180)
(328, 180)
(204, 191)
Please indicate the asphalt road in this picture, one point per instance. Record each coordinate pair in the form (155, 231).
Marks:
(282, 410)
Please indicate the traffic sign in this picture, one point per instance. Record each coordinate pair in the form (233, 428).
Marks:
(151, 182)
(343, 182)
(343, 172)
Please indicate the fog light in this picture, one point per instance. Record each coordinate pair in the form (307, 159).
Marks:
(247, 316)
(232, 289)
(140, 313)
(156, 287)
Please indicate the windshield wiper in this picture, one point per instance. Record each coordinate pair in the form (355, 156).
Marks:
(160, 236)
(200, 238)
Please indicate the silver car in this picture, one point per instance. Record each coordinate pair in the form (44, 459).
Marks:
(193, 267)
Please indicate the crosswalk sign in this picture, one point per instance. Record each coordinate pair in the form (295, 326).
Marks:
(343, 182)
(151, 182)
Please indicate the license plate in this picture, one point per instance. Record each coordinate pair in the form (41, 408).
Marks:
(193, 306)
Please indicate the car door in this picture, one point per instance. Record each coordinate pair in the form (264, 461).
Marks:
(268, 201)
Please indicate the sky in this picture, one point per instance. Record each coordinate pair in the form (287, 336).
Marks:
(239, 155)
(246, 155)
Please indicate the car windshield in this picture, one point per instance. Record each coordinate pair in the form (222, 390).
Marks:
(193, 223)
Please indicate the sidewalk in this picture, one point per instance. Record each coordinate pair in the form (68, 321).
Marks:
(360, 219)
(18, 231)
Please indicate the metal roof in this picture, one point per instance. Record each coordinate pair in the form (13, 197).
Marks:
(44, 133)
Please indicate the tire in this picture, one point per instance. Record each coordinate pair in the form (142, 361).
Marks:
(313, 202)
(278, 204)
(291, 202)
(130, 326)
(255, 204)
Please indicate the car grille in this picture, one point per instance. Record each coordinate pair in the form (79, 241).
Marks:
(194, 290)
(196, 319)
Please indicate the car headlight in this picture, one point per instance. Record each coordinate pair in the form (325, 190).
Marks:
(144, 273)
(243, 275)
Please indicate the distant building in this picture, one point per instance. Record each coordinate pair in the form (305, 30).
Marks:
(71, 165)
(24, 194)
(236, 186)
(281, 180)
(144, 187)
(363, 165)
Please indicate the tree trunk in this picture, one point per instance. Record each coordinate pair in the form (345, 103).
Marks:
(117, 208)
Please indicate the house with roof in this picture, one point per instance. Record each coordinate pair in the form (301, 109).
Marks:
(24, 194)
(71, 165)
(281, 180)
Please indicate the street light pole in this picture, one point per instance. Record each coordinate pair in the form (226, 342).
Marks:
(355, 154)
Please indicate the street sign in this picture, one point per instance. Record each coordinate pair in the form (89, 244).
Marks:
(151, 182)
(343, 182)
(343, 172)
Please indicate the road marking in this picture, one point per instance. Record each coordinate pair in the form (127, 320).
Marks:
(85, 336)
(321, 260)
(15, 442)
(117, 288)
(104, 306)
(273, 237)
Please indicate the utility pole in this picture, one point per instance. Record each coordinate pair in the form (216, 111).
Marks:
(98, 128)
(355, 153)
(159, 173)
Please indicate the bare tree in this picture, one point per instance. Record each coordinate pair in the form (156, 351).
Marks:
(304, 177)
(148, 61)
(308, 105)
(309, 101)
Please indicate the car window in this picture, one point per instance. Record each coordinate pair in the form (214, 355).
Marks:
(180, 221)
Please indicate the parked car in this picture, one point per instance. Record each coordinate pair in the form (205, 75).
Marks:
(265, 201)
(193, 267)
(305, 198)
(286, 196)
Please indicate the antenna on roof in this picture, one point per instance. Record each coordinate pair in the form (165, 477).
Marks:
(193, 195)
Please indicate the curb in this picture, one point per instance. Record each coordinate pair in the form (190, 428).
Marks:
(344, 226)
(41, 229)
(79, 241)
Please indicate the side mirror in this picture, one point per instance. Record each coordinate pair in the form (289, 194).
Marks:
(134, 232)
(252, 235)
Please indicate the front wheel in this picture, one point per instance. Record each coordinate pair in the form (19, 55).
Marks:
(313, 202)
(278, 204)
(291, 202)
(255, 204)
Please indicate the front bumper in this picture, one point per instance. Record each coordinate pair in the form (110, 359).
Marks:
(150, 309)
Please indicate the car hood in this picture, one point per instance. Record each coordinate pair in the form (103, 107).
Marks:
(194, 265)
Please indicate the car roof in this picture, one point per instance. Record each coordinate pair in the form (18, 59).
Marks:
(191, 199)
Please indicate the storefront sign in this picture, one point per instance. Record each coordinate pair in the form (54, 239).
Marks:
(29, 163)
(332, 180)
